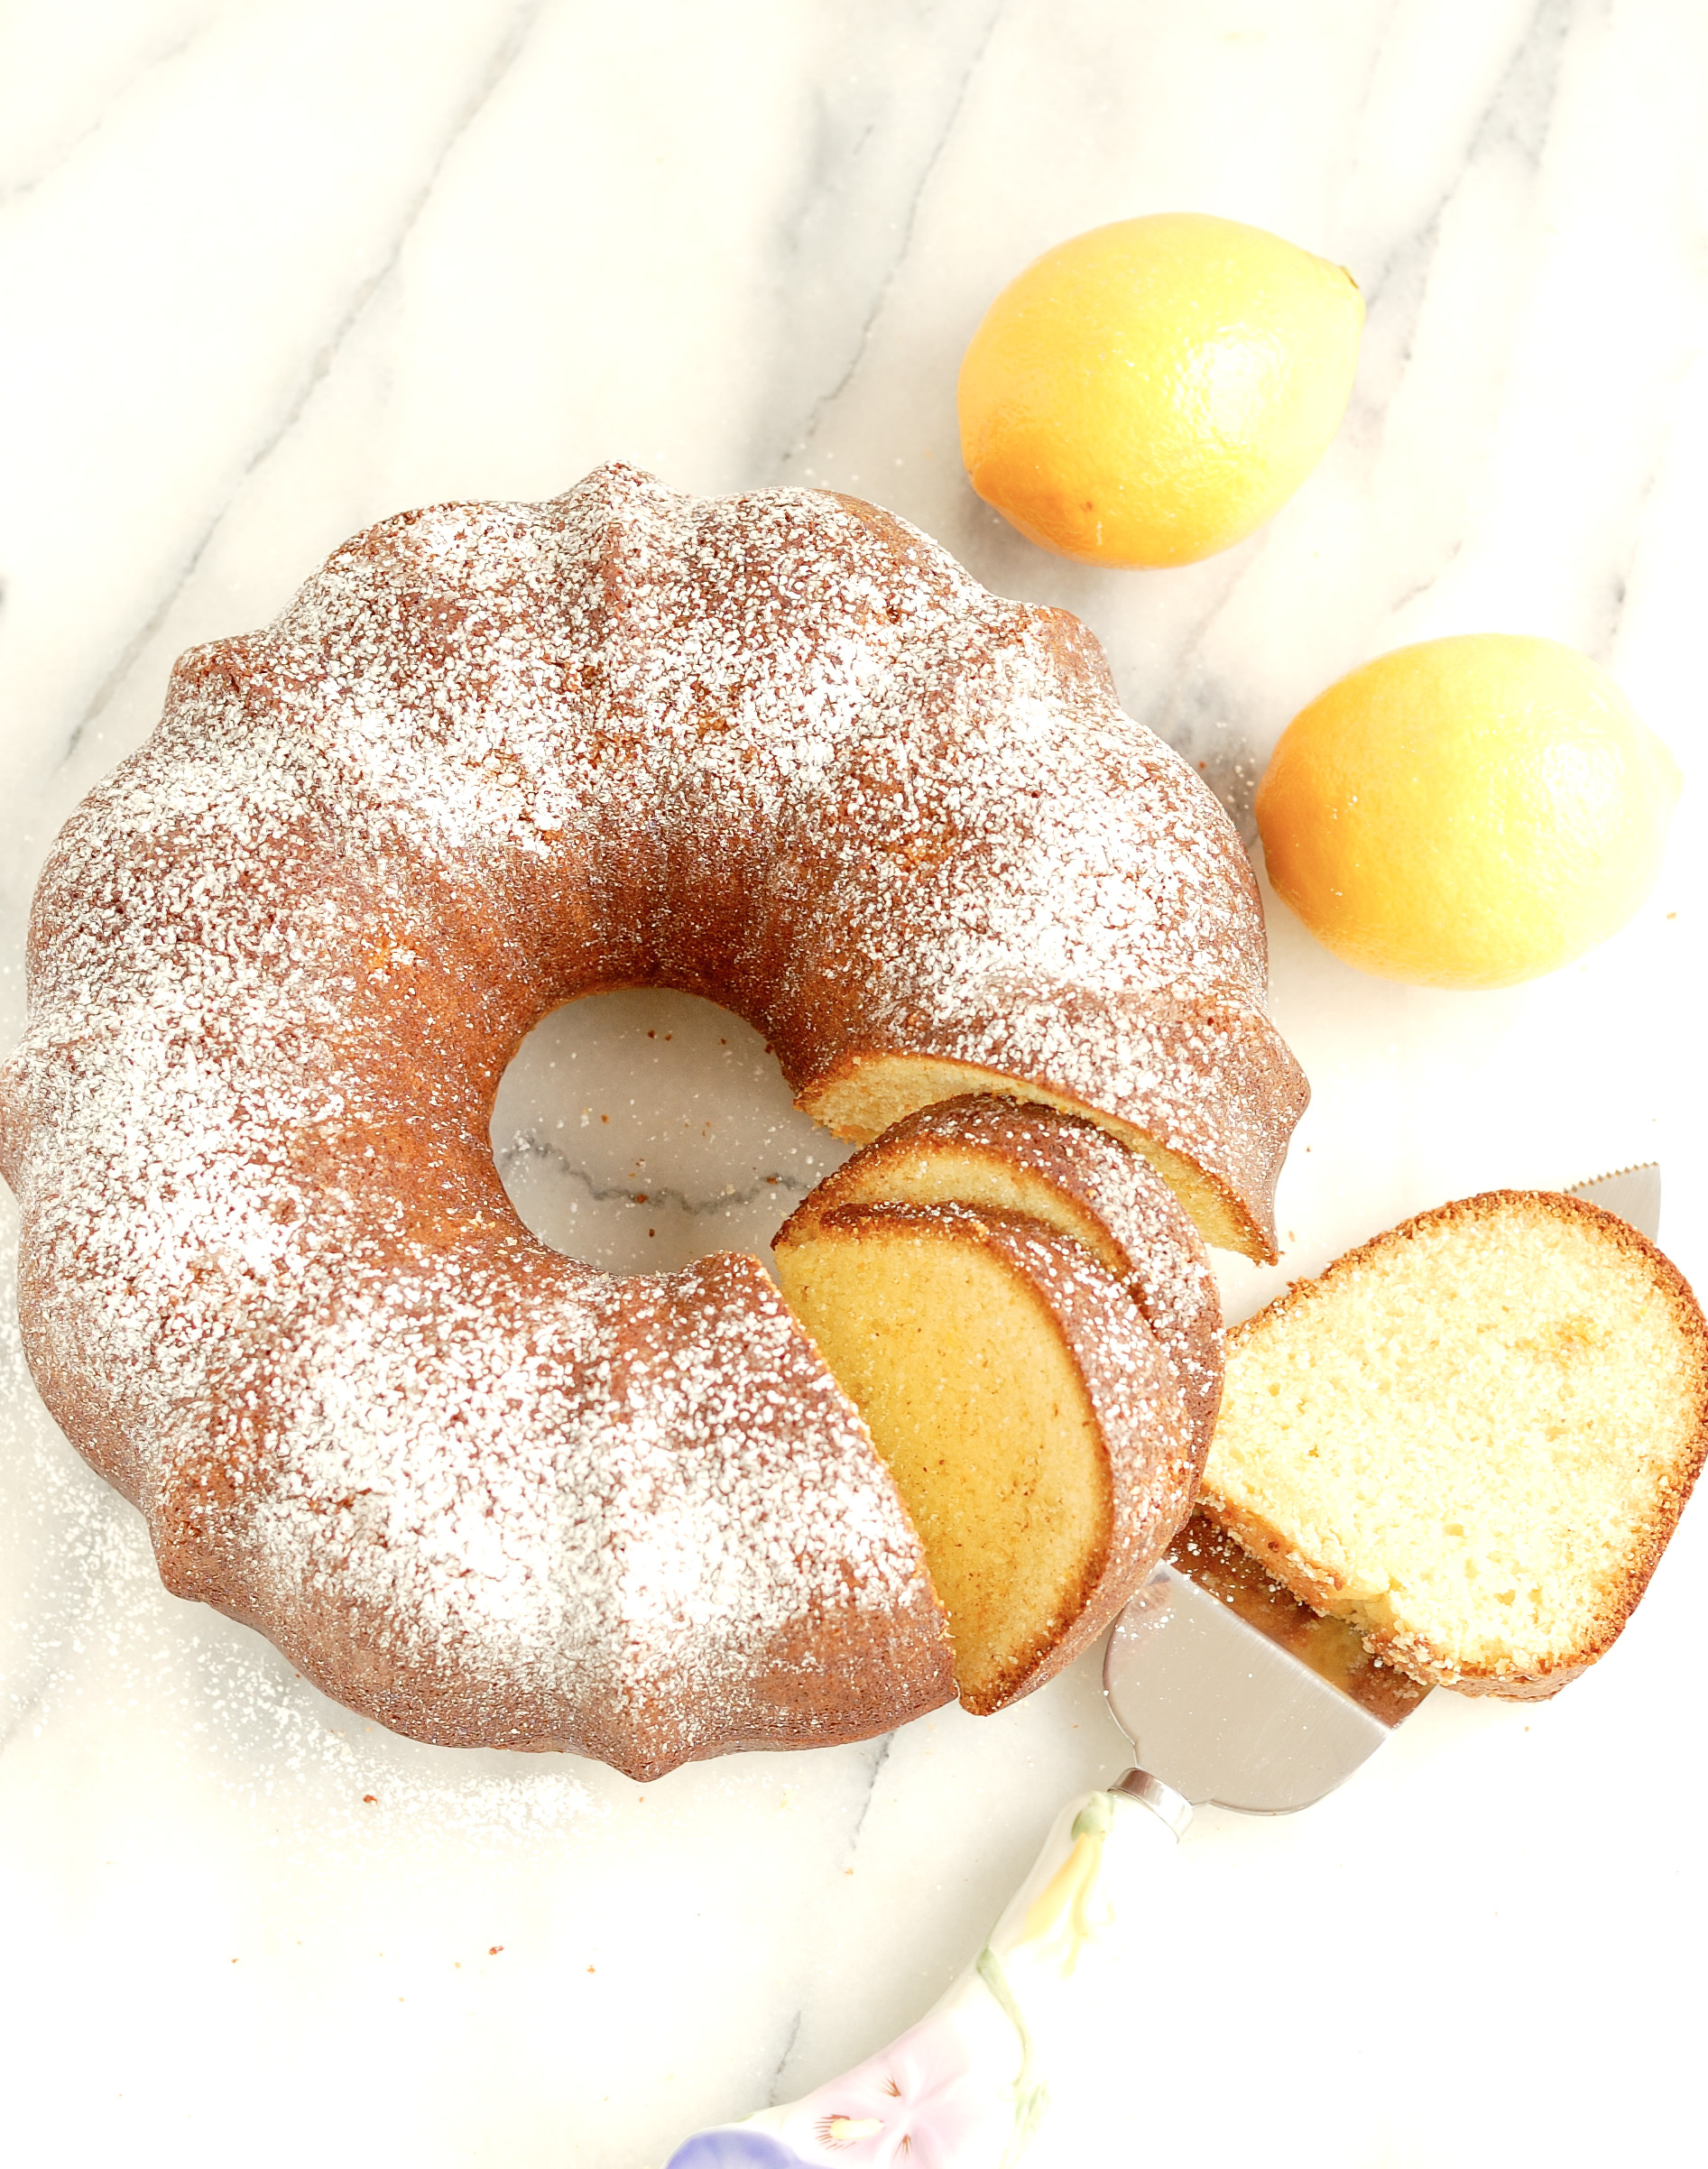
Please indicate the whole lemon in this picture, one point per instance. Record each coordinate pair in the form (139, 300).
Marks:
(1467, 812)
(1149, 392)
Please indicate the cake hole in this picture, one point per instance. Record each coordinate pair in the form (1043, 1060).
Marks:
(643, 1128)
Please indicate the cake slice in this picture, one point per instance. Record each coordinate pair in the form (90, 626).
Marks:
(1036, 1429)
(1057, 1168)
(1471, 1437)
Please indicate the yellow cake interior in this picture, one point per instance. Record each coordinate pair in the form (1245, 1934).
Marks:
(1464, 1439)
(978, 1407)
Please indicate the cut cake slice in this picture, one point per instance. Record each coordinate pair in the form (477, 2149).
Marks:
(1002, 1156)
(1036, 1430)
(1471, 1437)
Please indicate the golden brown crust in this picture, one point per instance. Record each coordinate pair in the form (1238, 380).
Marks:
(1223, 1170)
(1318, 1586)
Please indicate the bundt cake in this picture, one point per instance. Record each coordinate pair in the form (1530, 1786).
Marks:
(778, 749)
(1471, 1437)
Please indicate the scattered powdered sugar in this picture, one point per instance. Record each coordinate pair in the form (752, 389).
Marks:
(778, 749)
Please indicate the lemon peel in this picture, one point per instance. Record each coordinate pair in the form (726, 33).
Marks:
(1149, 392)
(1467, 812)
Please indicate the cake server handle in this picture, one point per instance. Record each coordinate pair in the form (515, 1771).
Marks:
(967, 2086)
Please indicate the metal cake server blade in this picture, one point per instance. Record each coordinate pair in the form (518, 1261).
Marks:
(1633, 1193)
(1232, 1692)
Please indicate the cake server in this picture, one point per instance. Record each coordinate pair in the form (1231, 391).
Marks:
(1235, 1694)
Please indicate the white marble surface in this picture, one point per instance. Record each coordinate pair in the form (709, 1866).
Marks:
(273, 268)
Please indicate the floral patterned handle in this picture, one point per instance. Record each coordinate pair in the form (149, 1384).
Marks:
(965, 2088)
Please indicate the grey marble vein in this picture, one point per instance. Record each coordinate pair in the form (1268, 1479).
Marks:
(885, 1746)
(527, 1146)
(781, 2084)
(884, 93)
(64, 152)
(774, 2083)
(1516, 120)
(828, 398)
(503, 58)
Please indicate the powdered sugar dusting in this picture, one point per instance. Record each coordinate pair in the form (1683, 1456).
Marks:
(778, 749)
